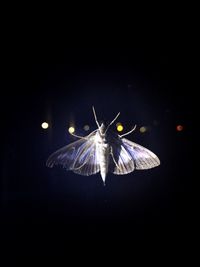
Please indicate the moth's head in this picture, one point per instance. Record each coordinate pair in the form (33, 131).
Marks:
(102, 128)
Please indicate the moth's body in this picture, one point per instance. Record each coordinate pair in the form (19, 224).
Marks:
(103, 151)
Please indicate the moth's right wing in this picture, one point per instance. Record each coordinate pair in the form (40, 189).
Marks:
(143, 157)
(121, 161)
(79, 156)
(126, 156)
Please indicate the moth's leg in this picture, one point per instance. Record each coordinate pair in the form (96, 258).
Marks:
(111, 152)
(128, 132)
(78, 136)
(84, 137)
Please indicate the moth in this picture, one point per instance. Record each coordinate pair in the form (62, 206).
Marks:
(103, 151)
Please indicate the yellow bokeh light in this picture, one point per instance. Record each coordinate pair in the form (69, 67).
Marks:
(45, 125)
(71, 129)
(143, 129)
(120, 128)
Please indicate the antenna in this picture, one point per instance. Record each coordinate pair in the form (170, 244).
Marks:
(112, 122)
(95, 117)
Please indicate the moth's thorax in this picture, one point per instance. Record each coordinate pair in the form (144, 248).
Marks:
(101, 138)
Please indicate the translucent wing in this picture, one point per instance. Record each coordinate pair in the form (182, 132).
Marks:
(79, 156)
(143, 157)
(121, 161)
(128, 156)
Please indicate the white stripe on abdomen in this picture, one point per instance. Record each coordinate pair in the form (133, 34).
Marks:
(103, 158)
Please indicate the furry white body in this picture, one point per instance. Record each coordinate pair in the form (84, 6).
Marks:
(102, 154)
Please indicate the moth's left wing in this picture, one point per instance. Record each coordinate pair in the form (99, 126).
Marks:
(79, 156)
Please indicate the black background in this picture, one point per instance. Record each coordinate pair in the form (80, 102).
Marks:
(147, 81)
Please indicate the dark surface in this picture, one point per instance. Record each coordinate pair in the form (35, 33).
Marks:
(147, 85)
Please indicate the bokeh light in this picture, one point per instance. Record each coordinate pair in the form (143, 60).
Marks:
(119, 127)
(143, 129)
(45, 125)
(86, 127)
(179, 128)
(71, 129)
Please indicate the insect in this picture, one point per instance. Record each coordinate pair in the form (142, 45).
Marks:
(103, 151)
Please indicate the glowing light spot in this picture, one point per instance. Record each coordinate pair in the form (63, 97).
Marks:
(71, 129)
(143, 129)
(45, 125)
(119, 127)
(179, 128)
(86, 127)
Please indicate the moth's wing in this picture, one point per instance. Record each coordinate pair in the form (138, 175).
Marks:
(121, 162)
(126, 156)
(143, 157)
(79, 156)
(87, 160)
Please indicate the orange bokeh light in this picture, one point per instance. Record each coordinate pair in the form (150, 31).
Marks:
(179, 128)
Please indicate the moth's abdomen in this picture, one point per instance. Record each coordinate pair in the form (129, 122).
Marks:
(102, 153)
(103, 158)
